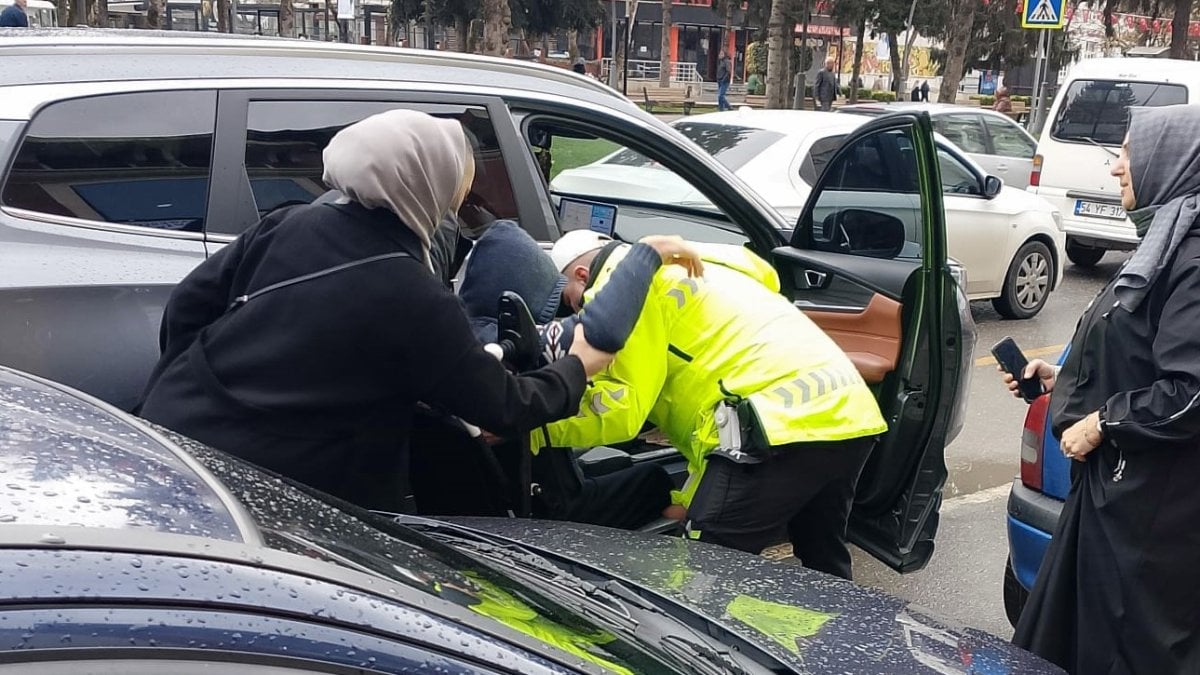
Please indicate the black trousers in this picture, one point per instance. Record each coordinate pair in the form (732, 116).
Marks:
(626, 499)
(806, 489)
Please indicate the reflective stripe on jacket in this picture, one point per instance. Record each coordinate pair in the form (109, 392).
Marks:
(728, 335)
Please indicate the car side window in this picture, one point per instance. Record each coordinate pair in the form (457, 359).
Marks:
(140, 159)
(649, 198)
(957, 178)
(1008, 139)
(285, 140)
(965, 131)
(870, 202)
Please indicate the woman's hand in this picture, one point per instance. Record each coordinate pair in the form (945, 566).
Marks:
(675, 251)
(1082, 437)
(593, 359)
(1036, 368)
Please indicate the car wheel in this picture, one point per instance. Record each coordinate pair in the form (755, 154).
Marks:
(1015, 595)
(1027, 284)
(1084, 256)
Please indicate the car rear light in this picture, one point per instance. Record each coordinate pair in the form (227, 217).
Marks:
(1031, 443)
(1035, 176)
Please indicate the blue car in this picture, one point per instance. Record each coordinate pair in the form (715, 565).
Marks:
(1034, 504)
(125, 548)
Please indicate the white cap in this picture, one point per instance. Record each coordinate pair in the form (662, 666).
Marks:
(574, 244)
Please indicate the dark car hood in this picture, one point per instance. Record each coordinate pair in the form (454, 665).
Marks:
(810, 620)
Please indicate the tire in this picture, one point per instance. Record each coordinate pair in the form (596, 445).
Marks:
(1027, 284)
(1084, 256)
(1015, 595)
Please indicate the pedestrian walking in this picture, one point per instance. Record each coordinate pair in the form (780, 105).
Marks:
(925, 91)
(1119, 589)
(724, 76)
(580, 66)
(826, 87)
(14, 15)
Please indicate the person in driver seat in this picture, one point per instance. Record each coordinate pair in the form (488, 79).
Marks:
(506, 258)
(774, 419)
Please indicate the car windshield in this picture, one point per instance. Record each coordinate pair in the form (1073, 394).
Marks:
(731, 145)
(1098, 110)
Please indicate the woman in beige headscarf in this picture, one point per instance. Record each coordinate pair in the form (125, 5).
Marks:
(305, 345)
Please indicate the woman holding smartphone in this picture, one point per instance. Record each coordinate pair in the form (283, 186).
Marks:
(1119, 589)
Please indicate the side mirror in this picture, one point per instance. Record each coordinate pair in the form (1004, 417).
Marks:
(860, 232)
(992, 186)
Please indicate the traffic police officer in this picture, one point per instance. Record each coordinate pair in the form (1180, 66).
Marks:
(772, 416)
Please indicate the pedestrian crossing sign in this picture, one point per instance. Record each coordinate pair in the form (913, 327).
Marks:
(1043, 14)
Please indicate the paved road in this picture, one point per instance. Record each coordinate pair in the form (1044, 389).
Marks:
(963, 580)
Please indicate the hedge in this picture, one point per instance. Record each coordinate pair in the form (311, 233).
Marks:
(884, 96)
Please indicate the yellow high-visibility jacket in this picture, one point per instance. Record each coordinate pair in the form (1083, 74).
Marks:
(729, 335)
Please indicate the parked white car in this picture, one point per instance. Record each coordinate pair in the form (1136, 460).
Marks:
(994, 140)
(1010, 242)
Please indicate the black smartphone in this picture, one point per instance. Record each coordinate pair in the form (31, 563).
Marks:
(1013, 361)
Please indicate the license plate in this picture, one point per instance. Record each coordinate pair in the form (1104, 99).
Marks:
(1098, 210)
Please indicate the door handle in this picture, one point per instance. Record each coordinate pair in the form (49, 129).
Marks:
(1002, 167)
(816, 278)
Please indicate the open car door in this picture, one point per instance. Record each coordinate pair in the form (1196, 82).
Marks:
(867, 262)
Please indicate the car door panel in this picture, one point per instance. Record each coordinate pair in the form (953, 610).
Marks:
(870, 337)
(896, 310)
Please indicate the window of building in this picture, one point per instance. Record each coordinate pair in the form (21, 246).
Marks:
(135, 159)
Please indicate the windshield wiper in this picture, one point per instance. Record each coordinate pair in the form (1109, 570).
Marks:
(1103, 147)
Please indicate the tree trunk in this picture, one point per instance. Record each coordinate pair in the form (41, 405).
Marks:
(804, 55)
(1179, 30)
(776, 87)
(462, 34)
(894, 58)
(287, 19)
(962, 18)
(572, 45)
(664, 45)
(79, 13)
(224, 25)
(856, 69)
(102, 13)
(497, 22)
(725, 36)
(156, 14)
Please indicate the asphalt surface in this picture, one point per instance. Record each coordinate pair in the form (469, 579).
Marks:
(964, 579)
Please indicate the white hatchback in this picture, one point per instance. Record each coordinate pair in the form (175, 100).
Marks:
(1010, 242)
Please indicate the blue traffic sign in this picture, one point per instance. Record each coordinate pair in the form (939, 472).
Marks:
(1043, 14)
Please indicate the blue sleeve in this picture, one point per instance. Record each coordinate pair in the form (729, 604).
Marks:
(609, 318)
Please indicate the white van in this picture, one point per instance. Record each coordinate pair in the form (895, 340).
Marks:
(42, 14)
(1082, 137)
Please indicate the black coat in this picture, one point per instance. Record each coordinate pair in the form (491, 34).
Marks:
(1118, 591)
(318, 380)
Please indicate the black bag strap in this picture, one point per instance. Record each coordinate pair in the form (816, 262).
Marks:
(243, 299)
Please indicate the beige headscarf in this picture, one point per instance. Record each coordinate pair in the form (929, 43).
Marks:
(411, 163)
